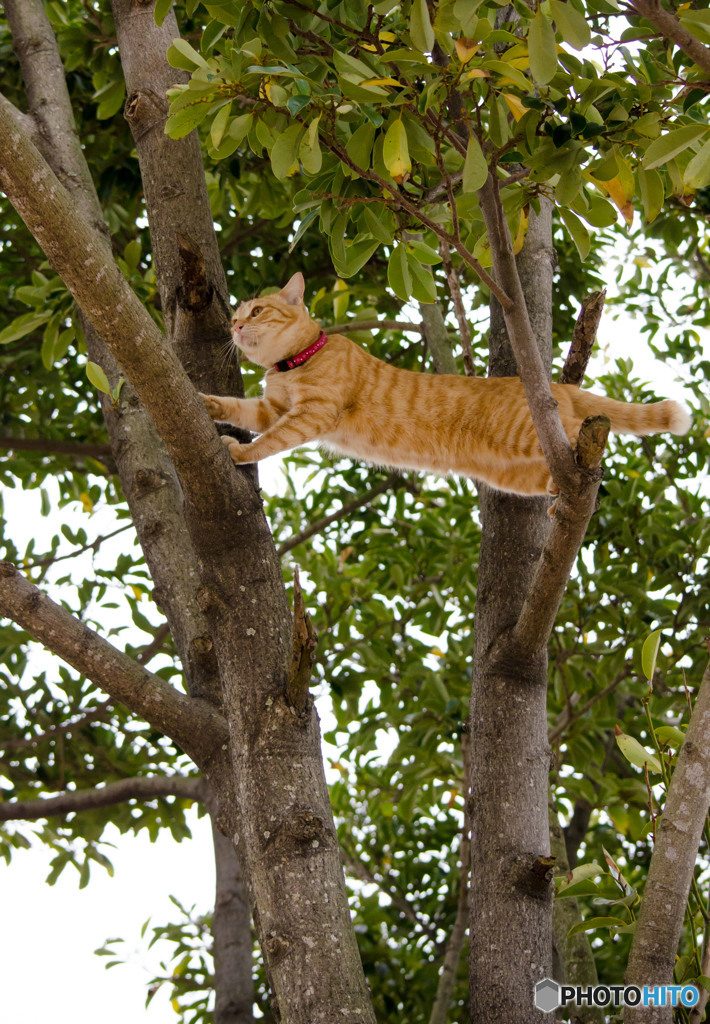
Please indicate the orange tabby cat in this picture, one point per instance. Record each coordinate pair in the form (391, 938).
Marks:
(355, 404)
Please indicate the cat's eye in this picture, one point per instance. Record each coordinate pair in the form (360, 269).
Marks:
(255, 311)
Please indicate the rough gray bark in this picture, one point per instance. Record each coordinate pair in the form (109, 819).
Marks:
(194, 724)
(511, 890)
(655, 942)
(231, 930)
(286, 833)
(148, 479)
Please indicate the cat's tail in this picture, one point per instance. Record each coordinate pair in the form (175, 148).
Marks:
(634, 418)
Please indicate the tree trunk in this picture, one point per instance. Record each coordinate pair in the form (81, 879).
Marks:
(231, 931)
(511, 890)
(286, 833)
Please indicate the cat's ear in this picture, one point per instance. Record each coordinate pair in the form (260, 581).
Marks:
(293, 291)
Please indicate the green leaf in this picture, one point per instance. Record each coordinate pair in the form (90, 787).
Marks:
(585, 887)
(50, 339)
(580, 235)
(111, 98)
(310, 151)
(359, 146)
(182, 55)
(423, 290)
(671, 144)
(356, 256)
(240, 127)
(571, 24)
(697, 173)
(649, 653)
(475, 167)
(97, 377)
(284, 152)
(376, 225)
(24, 325)
(652, 193)
(635, 753)
(219, 124)
(160, 10)
(398, 276)
(184, 121)
(420, 28)
(542, 48)
(668, 735)
(132, 253)
(395, 151)
(424, 253)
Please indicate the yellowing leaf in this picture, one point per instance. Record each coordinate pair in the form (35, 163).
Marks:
(475, 73)
(380, 81)
(521, 232)
(465, 48)
(340, 299)
(516, 107)
(87, 503)
(617, 193)
(395, 152)
(138, 592)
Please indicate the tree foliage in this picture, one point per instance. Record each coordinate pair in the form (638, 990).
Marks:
(350, 141)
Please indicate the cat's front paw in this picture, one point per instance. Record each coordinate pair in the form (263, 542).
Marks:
(214, 406)
(240, 453)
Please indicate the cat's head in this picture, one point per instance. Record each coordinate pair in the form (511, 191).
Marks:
(276, 326)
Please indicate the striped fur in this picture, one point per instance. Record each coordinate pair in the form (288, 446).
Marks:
(359, 406)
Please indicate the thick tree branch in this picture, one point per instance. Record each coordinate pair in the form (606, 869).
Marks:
(655, 942)
(75, 801)
(51, 446)
(543, 407)
(668, 25)
(585, 334)
(84, 261)
(193, 724)
(147, 476)
(537, 617)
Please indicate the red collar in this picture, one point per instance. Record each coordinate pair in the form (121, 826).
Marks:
(302, 357)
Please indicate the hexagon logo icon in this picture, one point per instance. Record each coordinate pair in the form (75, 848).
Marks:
(547, 995)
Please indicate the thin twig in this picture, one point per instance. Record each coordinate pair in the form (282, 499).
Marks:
(347, 509)
(455, 291)
(375, 325)
(561, 727)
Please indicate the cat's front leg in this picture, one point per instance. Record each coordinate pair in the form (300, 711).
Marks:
(248, 413)
(297, 427)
